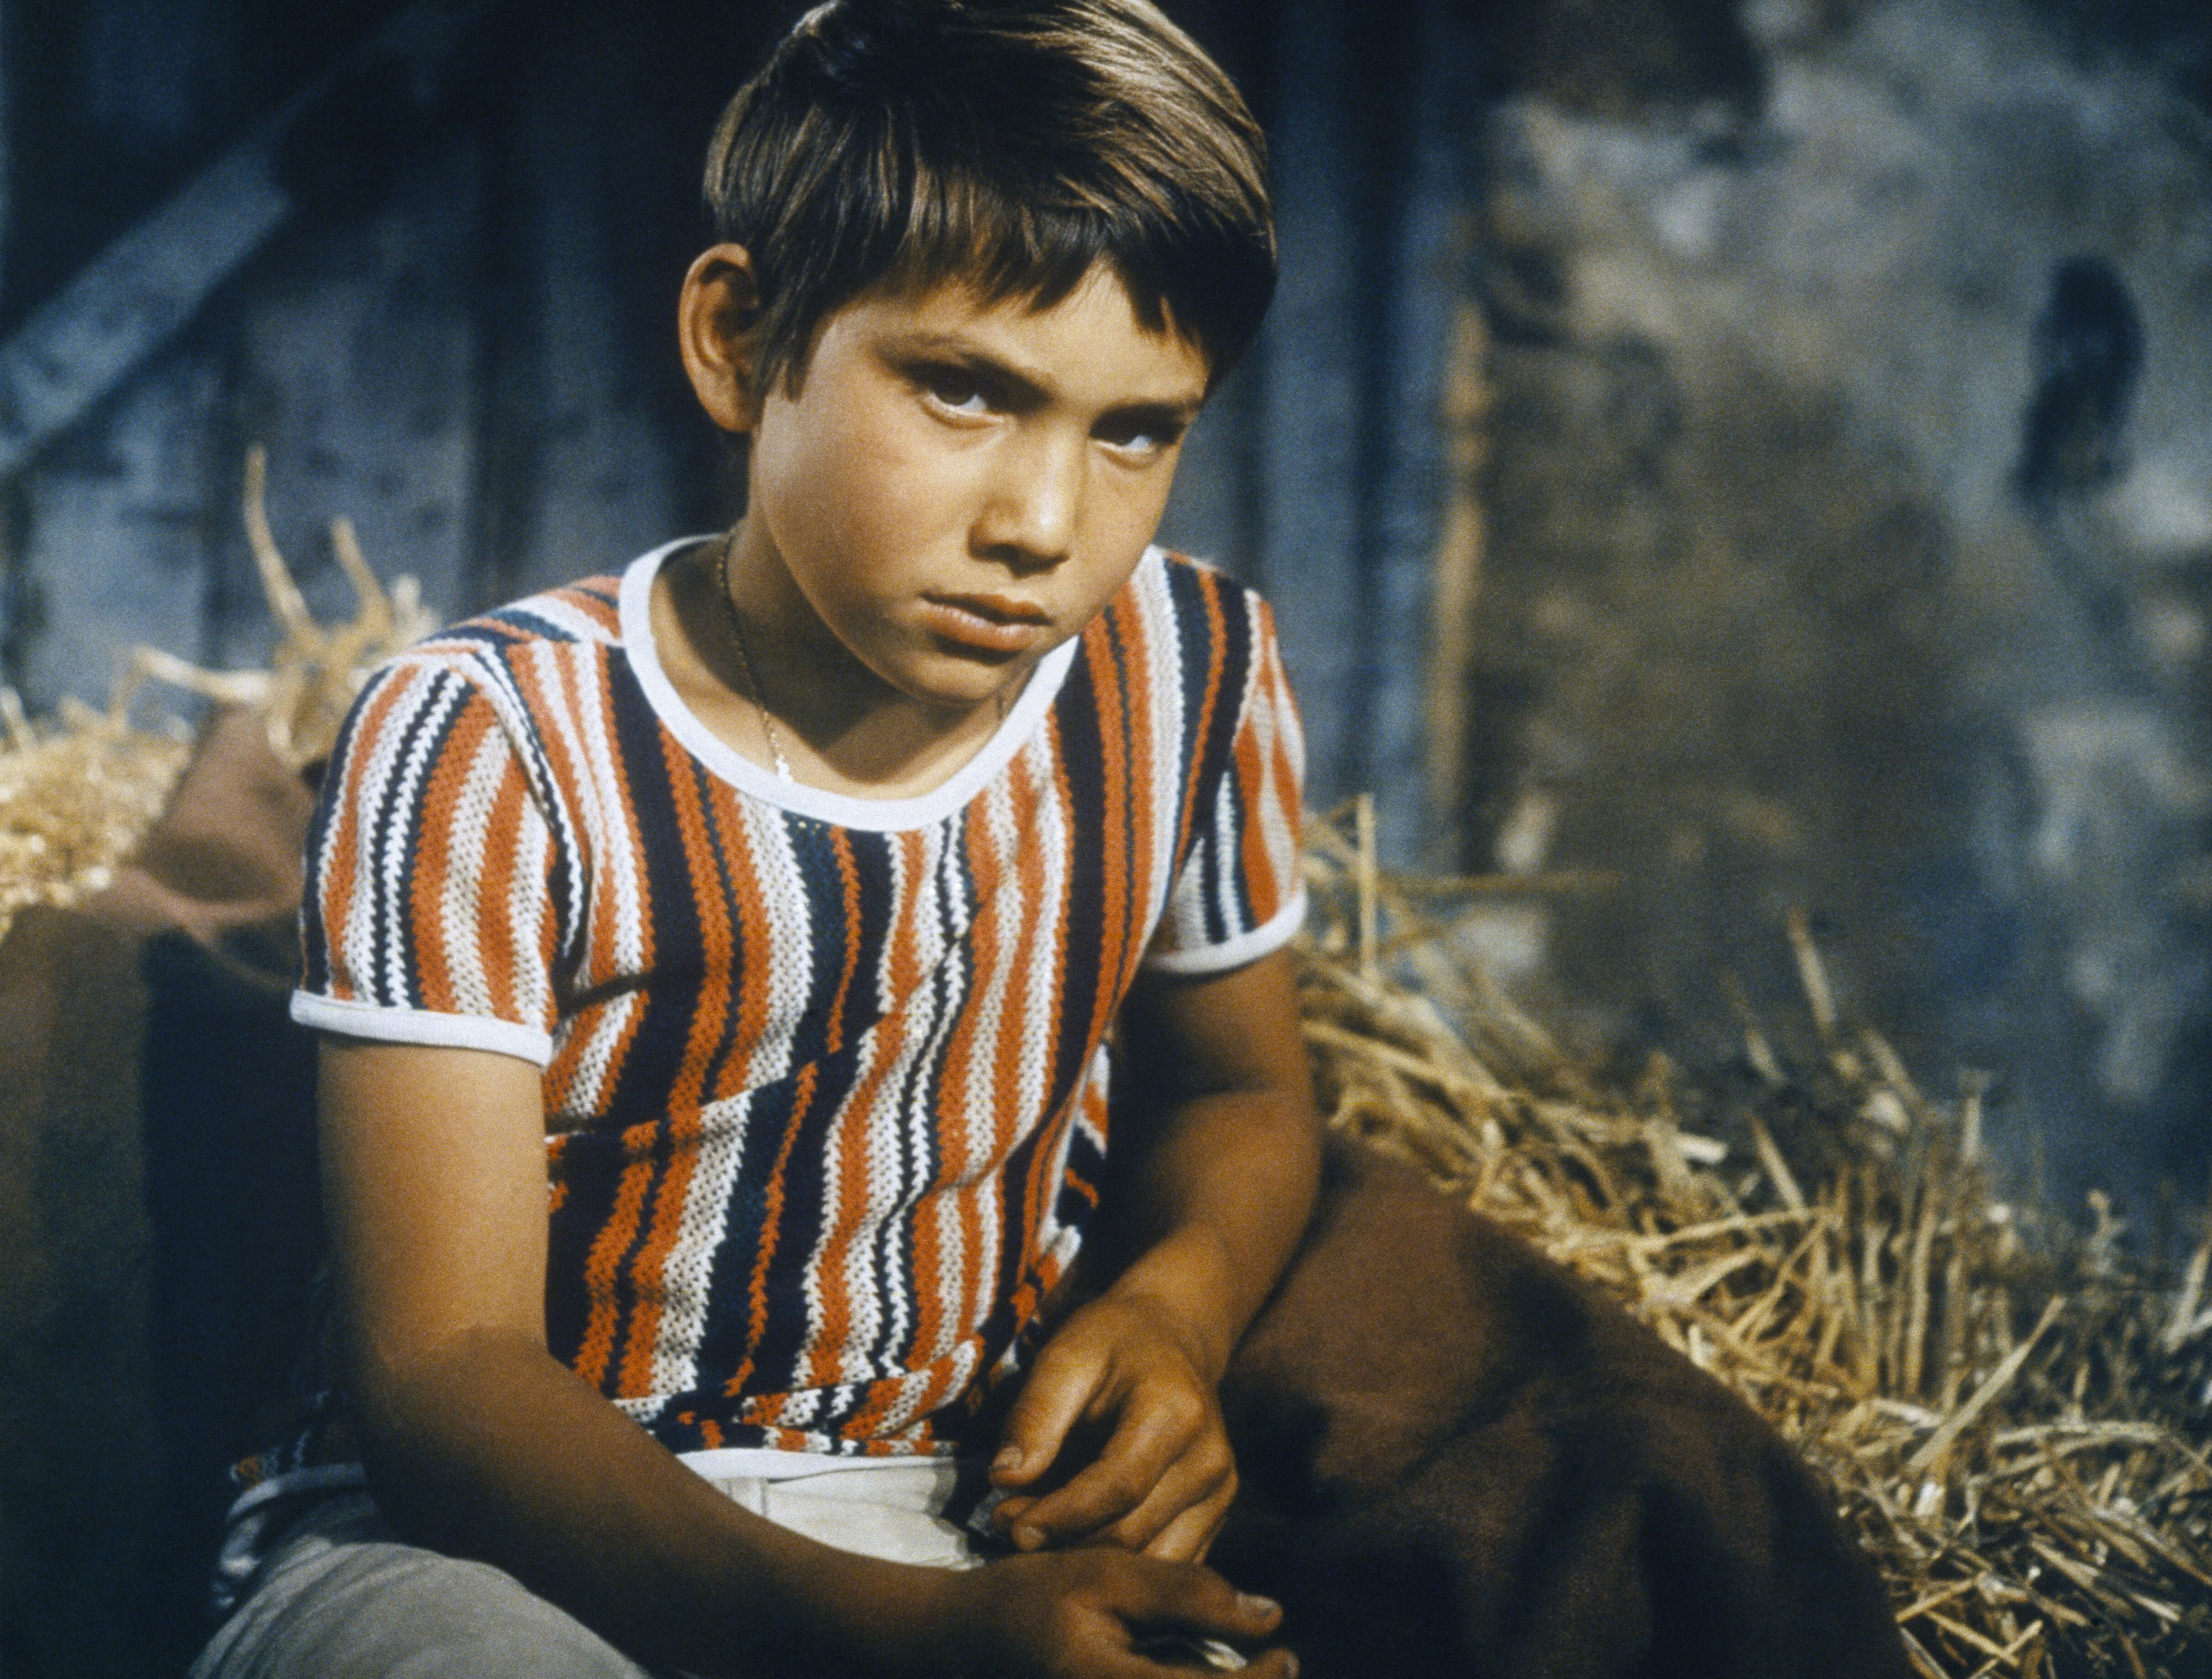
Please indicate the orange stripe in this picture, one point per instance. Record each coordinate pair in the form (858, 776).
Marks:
(1287, 798)
(623, 1225)
(849, 878)
(435, 841)
(1028, 867)
(1114, 781)
(1016, 1214)
(596, 1351)
(502, 857)
(1259, 868)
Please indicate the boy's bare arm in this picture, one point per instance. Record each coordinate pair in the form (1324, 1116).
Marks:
(1217, 1199)
(480, 1443)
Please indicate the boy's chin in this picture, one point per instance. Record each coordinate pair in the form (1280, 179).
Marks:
(962, 684)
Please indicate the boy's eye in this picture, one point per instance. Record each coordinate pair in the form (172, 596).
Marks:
(1138, 436)
(954, 389)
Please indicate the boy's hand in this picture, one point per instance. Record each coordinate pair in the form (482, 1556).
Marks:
(1161, 1480)
(1082, 1615)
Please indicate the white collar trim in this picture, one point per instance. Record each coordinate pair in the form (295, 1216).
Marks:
(841, 810)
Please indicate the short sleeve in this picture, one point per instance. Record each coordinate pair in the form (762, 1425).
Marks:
(1239, 894)
(430, 914)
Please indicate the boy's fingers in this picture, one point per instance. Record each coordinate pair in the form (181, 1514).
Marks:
(1194, 1599)
(1126, 1474)
(1203, 1480)
(1189, 1534)
(1059, 1389)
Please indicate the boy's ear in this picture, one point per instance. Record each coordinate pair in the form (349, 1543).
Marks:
(717, 323)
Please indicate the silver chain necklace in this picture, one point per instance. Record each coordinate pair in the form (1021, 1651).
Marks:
(745, 664)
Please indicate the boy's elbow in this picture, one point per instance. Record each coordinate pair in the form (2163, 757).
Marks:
(428, 1420)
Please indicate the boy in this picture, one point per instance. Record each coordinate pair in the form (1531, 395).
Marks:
(716, 965)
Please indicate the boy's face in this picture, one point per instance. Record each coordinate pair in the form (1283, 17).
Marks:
(957, 486)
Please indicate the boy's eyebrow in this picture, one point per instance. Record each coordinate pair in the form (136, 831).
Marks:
(1023, 383)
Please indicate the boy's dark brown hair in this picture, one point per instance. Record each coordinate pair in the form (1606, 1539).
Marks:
(1006, 144)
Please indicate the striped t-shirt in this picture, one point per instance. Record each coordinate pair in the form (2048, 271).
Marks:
(824, 1077)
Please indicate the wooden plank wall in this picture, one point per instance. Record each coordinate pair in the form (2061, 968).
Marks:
(469, 355)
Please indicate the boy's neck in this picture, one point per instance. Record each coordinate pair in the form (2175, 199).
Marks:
(778, 680)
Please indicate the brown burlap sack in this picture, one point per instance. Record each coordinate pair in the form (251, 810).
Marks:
(1457, 1460)
(157, 1218)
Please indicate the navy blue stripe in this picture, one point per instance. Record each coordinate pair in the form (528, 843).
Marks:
(590, 1178)
(1083, 948)
(1215, 848)
(655, 1059)
(1187, 594)
(398, 831)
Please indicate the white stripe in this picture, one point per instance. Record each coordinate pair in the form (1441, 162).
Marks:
(791, 942)
(1227, 861)
(1169, 775)
(461, 908)
(529, 905)
(593, 1063)
(688, 1273)
(584, 836)
(918, 1126)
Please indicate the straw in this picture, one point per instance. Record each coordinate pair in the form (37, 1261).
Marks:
(2010, 1409)
(78, 790)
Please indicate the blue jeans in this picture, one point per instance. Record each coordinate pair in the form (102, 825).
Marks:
(338, 1595)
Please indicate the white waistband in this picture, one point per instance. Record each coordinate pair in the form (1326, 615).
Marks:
(755, 1462)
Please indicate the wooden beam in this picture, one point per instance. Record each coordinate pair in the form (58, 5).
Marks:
(1457, 583)
(81, 343)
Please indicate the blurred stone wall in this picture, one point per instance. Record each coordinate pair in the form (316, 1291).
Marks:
(1849, 504)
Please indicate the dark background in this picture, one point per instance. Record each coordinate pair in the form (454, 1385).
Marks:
(1844, 485)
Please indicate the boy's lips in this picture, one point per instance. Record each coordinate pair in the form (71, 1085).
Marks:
(994, 623)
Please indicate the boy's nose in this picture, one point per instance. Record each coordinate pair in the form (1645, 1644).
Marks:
(1029, 518)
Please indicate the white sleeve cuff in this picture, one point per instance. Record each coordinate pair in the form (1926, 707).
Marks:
(1265, 939)
(390, 1024)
